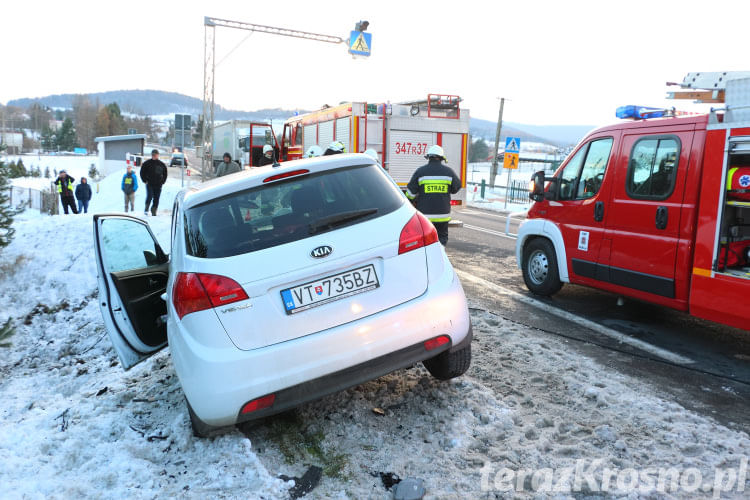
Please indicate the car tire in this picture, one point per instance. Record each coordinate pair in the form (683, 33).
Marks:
(200, 428)
(539, 267)
(448, 365)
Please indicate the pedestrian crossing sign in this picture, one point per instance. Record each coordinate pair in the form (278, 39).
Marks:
(511, 161)
(512, 144)
(360, 43)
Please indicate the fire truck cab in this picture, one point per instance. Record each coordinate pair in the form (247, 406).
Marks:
(654, 209)
(399, 133)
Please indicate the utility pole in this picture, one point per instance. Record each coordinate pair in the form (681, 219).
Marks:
(493, 170)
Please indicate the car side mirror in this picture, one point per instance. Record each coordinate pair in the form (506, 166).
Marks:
(151, 259)
(154, 259)
(536, 186)
(553, 190)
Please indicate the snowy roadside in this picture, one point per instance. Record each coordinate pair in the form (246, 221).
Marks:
(76, 425)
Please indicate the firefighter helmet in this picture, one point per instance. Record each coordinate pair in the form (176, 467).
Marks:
(267, 149)
(335, 148)
(313, 151)
(437, 152)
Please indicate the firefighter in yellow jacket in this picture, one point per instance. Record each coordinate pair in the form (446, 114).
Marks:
(430, 190)
(64, 184)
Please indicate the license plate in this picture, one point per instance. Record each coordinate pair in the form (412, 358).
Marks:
(329, 289)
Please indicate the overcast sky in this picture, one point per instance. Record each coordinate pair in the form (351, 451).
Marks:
(557, 62)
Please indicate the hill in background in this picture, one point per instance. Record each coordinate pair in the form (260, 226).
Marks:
(159, 102)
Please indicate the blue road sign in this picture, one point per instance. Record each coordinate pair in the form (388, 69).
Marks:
(512, 144)
(360, 43)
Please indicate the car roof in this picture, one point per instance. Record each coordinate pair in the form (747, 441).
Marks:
(246, 179)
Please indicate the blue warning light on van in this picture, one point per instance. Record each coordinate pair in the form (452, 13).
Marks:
(640, 112)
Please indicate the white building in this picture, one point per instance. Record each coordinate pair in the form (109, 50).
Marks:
(112, 150)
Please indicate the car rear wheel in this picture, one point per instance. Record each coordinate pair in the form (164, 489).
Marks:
(539, 266)
(448, 365)
(200, 428)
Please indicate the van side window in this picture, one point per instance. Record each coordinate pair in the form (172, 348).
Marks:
(584, 173)
(653, 168)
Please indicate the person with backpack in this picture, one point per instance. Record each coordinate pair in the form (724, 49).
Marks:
(129, 187)
(83, 195)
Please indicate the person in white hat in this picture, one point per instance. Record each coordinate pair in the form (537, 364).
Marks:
(267, 158)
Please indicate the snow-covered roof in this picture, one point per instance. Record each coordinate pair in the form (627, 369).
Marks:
(129, 137)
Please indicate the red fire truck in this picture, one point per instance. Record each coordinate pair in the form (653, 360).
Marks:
(657, 208)
(399, 133)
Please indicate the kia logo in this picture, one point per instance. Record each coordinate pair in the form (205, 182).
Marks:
(321, 251)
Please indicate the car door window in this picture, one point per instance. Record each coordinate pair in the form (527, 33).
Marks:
(583, 174)
(653, 168)
(592, 173)
(127, 245)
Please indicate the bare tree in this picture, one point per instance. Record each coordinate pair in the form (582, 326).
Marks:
(85, 120)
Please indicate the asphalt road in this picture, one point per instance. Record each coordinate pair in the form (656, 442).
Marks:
(703, 365)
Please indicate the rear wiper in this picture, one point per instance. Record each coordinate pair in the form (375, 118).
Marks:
(339, 218)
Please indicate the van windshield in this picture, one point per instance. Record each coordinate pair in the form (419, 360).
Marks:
(285, 211)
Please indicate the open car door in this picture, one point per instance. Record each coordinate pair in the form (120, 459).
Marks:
(132, 273)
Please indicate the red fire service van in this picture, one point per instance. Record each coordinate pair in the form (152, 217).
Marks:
(656, 208)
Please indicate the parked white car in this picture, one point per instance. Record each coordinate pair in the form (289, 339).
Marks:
(284, 284)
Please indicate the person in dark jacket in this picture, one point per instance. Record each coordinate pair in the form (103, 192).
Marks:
(129, 187)
(430, 190)
(64, 184)
(267, 158)
(227, 166)
(154, 174)
(83, 195)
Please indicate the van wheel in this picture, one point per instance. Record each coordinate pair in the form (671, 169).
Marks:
(540, 267)
(448, 365)
(200, 428)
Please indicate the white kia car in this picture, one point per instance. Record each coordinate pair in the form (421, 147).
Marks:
(284, 284)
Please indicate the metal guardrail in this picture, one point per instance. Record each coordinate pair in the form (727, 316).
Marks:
(517, 193)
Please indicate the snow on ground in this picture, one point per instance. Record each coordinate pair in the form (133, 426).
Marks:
(75, 425)
(77, 166)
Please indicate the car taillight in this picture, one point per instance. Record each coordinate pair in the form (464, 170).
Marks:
(258, 404)
(436, 342)
(455, 202)
(193, 292)
(417, 233)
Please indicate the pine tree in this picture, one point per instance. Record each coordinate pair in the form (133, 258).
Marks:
(46, 172)
(66, 136)
(21, 169)
(478, 150)
(93, 172)
(49, 142)
(6, 211)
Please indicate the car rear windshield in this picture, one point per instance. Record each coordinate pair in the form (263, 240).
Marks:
(289, 210)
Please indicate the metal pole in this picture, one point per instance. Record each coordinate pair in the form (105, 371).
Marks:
(493, 171)
(184, 155)
(507, 188)
(209, 54)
